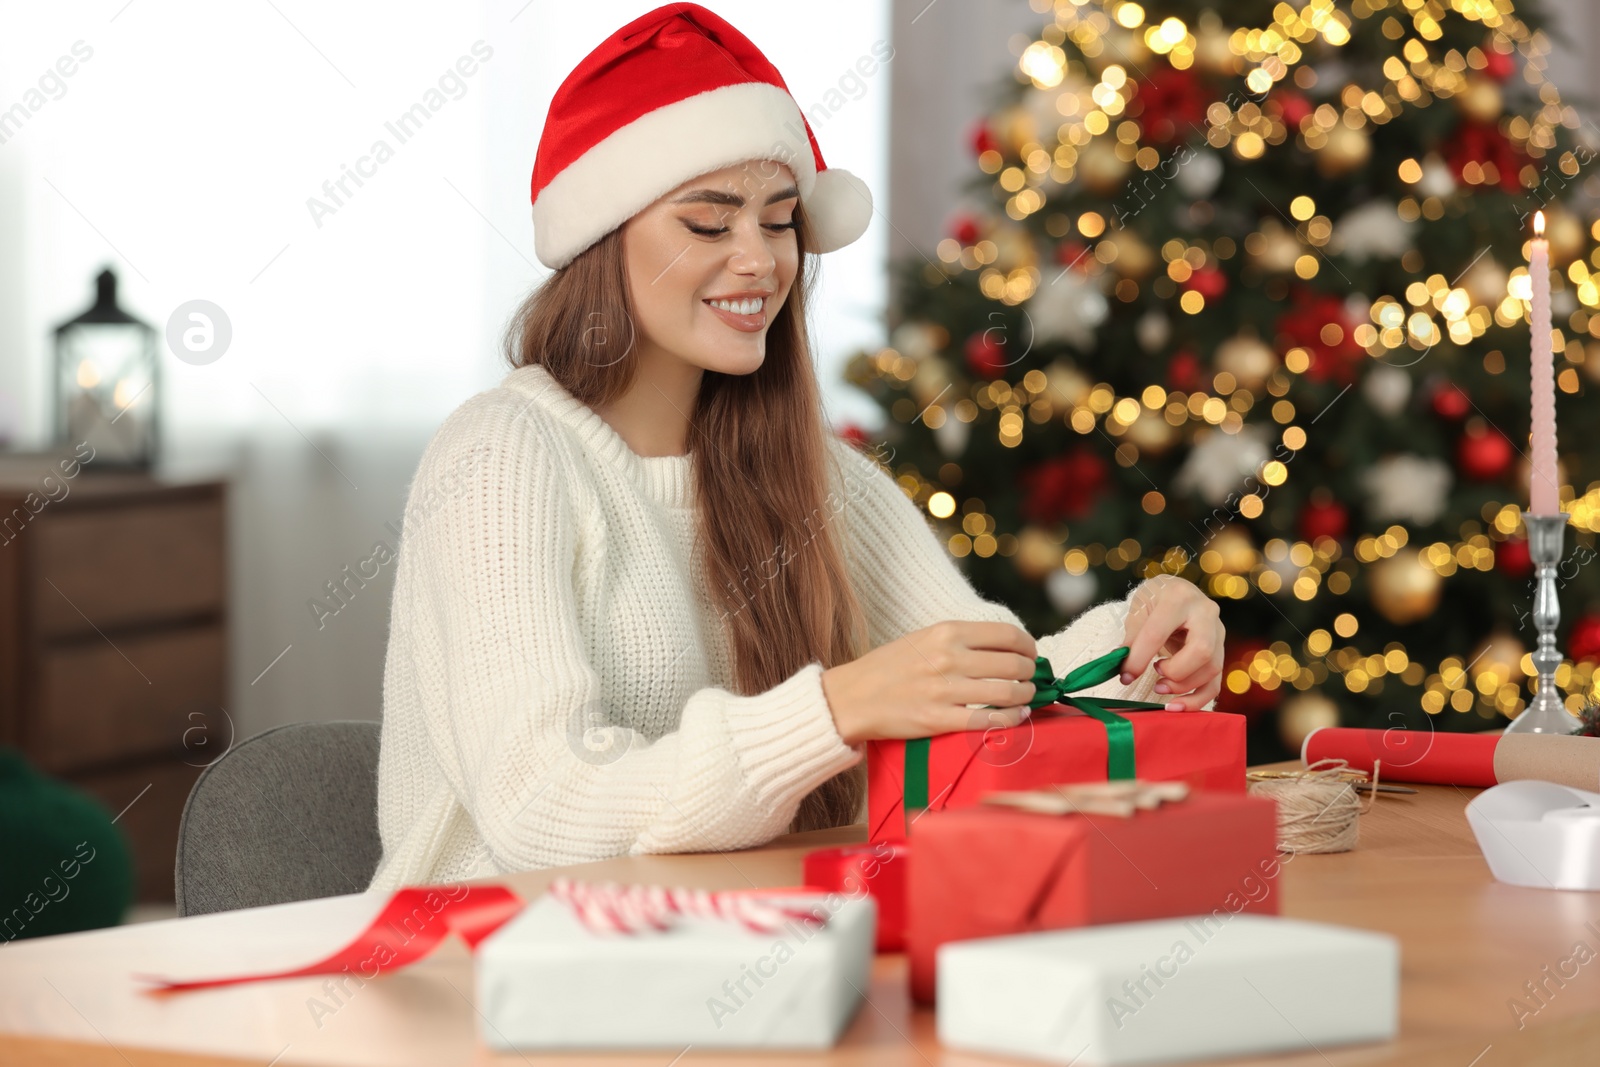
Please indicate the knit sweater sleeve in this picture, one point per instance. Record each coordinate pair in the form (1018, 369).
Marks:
(906, 580)
(509, 692)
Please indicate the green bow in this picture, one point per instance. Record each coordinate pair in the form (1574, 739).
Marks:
(1048, 689)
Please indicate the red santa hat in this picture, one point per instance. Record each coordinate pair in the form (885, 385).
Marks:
(674, 94)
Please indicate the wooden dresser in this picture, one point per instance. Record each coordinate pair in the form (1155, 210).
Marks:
(113, 639)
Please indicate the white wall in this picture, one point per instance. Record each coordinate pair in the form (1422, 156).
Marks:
(183, 152)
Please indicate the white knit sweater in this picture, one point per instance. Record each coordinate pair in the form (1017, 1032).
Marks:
(558, 684)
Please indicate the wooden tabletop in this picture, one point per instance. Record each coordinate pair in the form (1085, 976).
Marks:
(1468, 946)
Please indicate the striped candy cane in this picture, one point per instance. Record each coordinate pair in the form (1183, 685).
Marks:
(611, 908)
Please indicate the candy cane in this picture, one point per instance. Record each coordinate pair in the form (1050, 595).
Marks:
(608, 907)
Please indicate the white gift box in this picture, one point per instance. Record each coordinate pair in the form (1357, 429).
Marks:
(1169, 989)
(546, 981)
(1539, 834)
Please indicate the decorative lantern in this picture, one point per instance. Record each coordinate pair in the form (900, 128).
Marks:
(107, 382)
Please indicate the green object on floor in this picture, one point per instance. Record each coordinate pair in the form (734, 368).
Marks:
(64, 865)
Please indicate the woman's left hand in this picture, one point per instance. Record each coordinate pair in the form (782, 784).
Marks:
(1171, 615)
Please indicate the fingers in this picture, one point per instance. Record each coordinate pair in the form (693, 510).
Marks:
(1197, 700)
(986, 718)
(1009, 665)
(994, 636)
(997, 691)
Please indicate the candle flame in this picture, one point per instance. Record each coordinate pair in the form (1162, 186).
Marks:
(1538, 224)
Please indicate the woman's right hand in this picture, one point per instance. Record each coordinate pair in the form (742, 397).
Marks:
(920, 685)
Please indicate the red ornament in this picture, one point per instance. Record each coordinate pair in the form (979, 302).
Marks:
(1498, 65)
(1483, 454)
(1173, 104)
(1319, 323)
(1070, 252)
(1209, 282)
(1583, 643)
(982, 140)
(1064, 488)
(1183, 372)
(1449, 402)
(854, 434)
(1329, 519)
(1481, 143)
(964, 228)
(986, 353)
(1293, 107)
(1513, 559)
(1237, 656)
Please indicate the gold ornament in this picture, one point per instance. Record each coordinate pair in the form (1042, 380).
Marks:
(932, 379)
(1102, 172)
(1500, 654)
(1279, 248)
(1014, 249)
(1037, 555)
(1404, 588)
(1236, 552)
(1566, 234)
(1211, 51)
(1067, 386)
(1151, 433)
(1482, 100)
(1015, 127)
(1250, 360)
(1485, 282)
(1303, 713)
(1135, 258)
(1345, 152)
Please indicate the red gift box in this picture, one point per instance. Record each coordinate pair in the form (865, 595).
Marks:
(989, 871)
(879, 869)
(1055, 745)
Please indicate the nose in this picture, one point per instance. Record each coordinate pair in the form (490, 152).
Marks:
(750, 253)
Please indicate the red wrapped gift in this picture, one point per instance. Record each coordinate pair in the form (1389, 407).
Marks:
(878, 869)
(1086, 742)
(987, 871)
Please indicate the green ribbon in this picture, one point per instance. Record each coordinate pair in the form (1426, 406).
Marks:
(1048, 689)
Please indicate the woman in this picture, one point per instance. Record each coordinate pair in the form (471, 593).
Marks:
(664, 608)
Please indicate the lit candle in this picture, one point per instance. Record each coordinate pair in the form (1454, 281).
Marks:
(1542, 488)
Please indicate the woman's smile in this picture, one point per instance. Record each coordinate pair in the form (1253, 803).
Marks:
(744, 311)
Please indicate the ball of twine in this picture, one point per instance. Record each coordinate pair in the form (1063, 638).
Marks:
(1318, 810)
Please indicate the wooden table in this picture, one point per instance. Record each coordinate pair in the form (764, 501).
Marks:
(1468, 946)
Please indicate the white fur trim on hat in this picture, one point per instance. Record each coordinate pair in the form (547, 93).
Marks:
(657, 152)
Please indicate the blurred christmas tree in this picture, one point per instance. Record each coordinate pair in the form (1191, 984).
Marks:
(1246, 302)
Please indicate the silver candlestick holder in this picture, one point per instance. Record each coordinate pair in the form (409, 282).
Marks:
(1545, 713)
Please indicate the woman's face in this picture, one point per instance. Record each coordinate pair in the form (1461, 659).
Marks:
(710, 263)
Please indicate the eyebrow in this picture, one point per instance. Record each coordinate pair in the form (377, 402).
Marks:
(712, 196)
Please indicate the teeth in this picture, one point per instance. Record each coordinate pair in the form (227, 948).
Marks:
(739, 307)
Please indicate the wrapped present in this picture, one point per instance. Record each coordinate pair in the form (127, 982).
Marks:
(1047, 860)
(1170, 989)
(644, 967)
(1068, 738)
(878, 869)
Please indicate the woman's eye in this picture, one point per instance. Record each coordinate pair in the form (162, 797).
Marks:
(703, 231)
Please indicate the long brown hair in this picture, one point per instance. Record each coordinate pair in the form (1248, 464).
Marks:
(760, 456)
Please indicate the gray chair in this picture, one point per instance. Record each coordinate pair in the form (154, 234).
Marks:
(289, 814)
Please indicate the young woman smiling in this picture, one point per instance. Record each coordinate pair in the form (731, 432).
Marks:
(670, 607)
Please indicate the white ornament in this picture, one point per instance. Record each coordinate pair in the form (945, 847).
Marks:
(1288, 572)
(1199, 176)
(1437, 178)
(952, 436)
(1066, 309)
(1563, 302)
(1407, 488)
(1374, 230)
(1387, 389)
(1219, 463)
(1070, 593)
(914, 339)
(1153, 330)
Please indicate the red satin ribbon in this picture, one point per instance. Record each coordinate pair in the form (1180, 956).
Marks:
(409, 927)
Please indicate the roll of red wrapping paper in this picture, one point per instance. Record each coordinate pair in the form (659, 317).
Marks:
(1419, 756)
